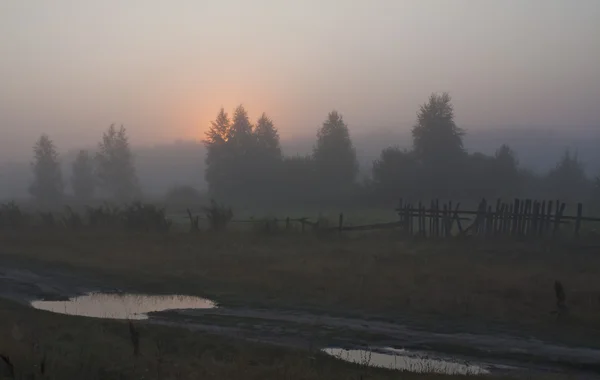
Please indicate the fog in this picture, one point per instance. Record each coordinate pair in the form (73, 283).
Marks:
(516, 70)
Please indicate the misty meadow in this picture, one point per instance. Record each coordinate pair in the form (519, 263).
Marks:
(300, 190)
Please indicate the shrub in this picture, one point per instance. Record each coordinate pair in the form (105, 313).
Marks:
(218, 216)
(145, 217)
(11, 216)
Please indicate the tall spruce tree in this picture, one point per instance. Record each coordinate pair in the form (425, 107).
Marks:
(267, 138)
(115, 166)
(48, 184)
(218, 159)
(438, 145)
(334, 155)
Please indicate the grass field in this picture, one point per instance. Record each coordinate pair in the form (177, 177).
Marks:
(453, 284)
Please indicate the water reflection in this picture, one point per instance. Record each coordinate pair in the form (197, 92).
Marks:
(405, 361)
(122, 306)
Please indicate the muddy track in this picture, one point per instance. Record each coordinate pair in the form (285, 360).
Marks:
(310, 331)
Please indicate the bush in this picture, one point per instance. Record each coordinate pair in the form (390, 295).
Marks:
(11, 216)
(145, 217)
(218, 216)
(104, 216)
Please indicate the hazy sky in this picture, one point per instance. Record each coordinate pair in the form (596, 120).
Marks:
(164, 68)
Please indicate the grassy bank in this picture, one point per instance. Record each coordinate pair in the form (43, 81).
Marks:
(507, 283)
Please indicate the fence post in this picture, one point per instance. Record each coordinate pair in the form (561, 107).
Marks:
(437, 218)
(526, 217)
(542, 220)
(419, 219)
(431, 226)
(548, 217)
(341, 222)
(515, 221)
(533, 225)
(496, 218)
(489, 222)
(457, 217)
(559, 211)
(578, 220)
(411, 225)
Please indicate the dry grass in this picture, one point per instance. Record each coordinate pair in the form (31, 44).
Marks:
(46, 346)
(508, 283)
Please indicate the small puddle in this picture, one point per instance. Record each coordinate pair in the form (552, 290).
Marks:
(122, 306)
(403, 360)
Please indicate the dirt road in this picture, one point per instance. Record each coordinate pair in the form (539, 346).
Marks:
(311, 331)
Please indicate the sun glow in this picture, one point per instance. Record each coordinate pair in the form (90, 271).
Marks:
(196, 116)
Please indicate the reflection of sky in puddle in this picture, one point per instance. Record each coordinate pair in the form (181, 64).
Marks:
(121, 306)
(403, 360)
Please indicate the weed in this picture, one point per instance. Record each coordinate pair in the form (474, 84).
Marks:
(134, 338)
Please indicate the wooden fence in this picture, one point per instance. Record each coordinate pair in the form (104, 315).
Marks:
(521, 218)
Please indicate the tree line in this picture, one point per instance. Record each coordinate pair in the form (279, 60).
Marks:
(245, 164)
(110, 172)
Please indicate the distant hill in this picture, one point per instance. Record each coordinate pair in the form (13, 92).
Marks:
(182, 163)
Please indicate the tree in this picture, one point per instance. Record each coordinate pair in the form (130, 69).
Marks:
(438, 145)
(478, 177)
(217, 153)
(298, 179)
(334, 155)
(267, 158)
(267, 138)
(82, 180)
(240, 134)
(395, 174)
(505, 169)
(568, 180)
(115, 165)
(436, 137)
(48, 185)
(219, 129)
(232, 156)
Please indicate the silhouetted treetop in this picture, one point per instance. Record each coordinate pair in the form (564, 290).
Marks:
(436, 136)
(267, 137)
(240, 133)
(219, 129)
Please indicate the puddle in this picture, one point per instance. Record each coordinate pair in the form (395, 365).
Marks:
(122, 306)
(403, 360)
